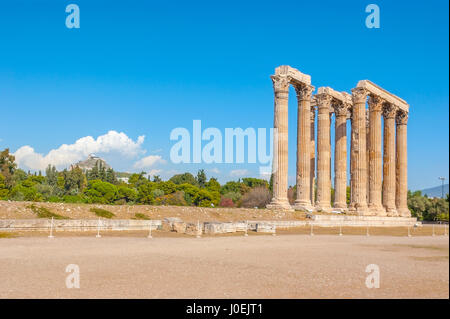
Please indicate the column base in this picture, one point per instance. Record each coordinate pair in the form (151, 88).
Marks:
(323, 207)
(303, 206)
(392, 212)
(359, 209)
(340, 208)
(281, 204)
(404, 212)
(377, 210)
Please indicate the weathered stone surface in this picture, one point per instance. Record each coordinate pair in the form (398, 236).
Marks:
(179, 227)
(194, 229)
(367, 183)
(265, 228)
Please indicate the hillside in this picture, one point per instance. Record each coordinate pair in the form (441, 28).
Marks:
(435, 191)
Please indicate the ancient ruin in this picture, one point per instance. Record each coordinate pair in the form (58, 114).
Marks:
(378, 178)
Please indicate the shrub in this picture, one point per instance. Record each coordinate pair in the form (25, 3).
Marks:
(175, 199)
(43, 212)
(102, 212)
(226, 202)
(101, 192)
(141, 216)
(257, 197)
(234, 196)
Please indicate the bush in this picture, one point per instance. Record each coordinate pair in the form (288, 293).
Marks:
(43, 212)
(101, 192)
(175, 199)
(102, 212)
(234, 196)
(256, 197)
(141, 216)
(226, 202)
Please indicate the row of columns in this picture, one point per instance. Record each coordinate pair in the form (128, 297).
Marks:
(378, 178)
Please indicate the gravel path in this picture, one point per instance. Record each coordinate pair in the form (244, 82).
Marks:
(289, 266)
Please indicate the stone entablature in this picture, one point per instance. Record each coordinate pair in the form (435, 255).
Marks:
(390, 98)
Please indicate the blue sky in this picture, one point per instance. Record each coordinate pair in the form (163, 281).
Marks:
(147, 67)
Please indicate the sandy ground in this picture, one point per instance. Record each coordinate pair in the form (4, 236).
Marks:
(289, 266)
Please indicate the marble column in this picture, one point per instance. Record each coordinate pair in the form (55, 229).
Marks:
(313, 156)
(358, 152)
(340, 157)
(389, 113)
(323, 202)
(375, 156)
(303, 200)
(402, 166)
(280, 144)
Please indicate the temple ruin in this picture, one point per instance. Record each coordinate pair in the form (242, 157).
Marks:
(378, 177)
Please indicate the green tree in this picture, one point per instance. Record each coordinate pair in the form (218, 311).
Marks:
(7, 167)
(51, 175)
(101, 192)
(184, 178)
(201, 178)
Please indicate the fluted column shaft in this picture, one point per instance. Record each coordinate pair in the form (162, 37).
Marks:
(323, 201)
(280, 158)
(340, 157)
(375, 156)
(303, 200)
(313, 156)
(389, 113)
(358, 152)
(402, 166)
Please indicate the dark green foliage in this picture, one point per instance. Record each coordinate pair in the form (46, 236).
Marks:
(141, 216)
(43, 212)
(102, 212)
(186, 178)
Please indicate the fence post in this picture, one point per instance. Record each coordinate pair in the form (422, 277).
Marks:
(51, 230)
(312, 233)
(98, 229)
(367, 232)
(150, 230)
(246, 229)
(199, 232)
(340, 229)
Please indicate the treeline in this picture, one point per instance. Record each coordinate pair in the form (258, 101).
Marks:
(101, 185)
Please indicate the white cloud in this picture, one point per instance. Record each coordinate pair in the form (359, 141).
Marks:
(214, 170)
(148, 161)
(239, 172)
(67, 154)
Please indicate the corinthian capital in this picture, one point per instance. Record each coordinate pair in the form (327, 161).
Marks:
(304, 92)
(280, 83)
(341, 109)
(359, 95)
(375, 103)
(389, 111)
(323, 101)
(402, 118)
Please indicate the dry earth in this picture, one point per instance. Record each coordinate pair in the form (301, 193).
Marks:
(290, 266)
(20, 210)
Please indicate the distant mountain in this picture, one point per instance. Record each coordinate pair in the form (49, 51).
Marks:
(435, 191)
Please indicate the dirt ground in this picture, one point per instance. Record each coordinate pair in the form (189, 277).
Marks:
(264, 266)
(20, 210)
